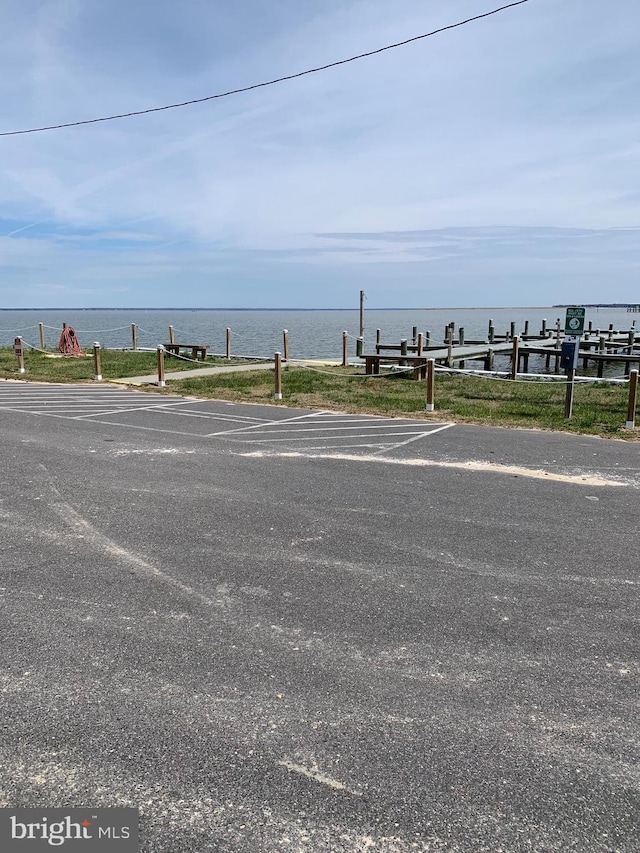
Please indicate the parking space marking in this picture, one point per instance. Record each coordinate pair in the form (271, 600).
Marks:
(307, 438)
(423, 435)
(310, 432)
(257, 426)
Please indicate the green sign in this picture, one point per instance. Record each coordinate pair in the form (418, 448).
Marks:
(574, 322)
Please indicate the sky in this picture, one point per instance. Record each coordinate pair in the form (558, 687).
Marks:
(493, 164)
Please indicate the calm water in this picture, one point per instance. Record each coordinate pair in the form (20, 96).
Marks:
(312, 334)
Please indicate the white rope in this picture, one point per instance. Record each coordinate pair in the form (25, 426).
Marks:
(183, 357)
(293, 363)
(21, 329)
(144, 331)
(33, 347)
(540, 378)
(88, 331)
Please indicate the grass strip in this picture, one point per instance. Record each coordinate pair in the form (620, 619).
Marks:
(599, 408)
(116, 364)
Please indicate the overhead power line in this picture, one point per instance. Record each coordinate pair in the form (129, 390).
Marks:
(266, 83)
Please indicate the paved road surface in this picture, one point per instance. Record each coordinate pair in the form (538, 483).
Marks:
(273, 629)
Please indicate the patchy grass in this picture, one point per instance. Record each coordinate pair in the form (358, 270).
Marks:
(115, 364)
(599, 408)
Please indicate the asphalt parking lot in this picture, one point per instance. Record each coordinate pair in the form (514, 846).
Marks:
(274, 629)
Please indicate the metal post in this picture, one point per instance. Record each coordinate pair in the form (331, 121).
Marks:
(134, 342)
(285, 344)
(633, 396)
(431, 363)
(41, 328)
(160, 352)
(568, 400)
(345, 348)
(172, 337)
(278, 377)
(228, 344)
(97, 367)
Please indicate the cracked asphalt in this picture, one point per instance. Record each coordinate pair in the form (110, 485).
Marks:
(265, 646)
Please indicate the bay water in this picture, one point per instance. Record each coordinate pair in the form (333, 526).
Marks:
(312, 333)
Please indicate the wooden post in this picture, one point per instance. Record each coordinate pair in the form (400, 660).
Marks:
(568, 400)
(18, 348)
(450, 348)
(590, 327)
(134, 342)
(362, 313)
(97, 367)
(543, 329)
(512, 330)
(488, 361)
(403, 350)
(285, 344)
(515, 357)
(491, 326)
(633, 396)
(431, 363)
(420, 344)
(172, 337)
(377, 339)
(492, 332)
(526, 328)
(461, 336)
(228, 344)
(41, 328)
(427, 338)
(160, 353)
(359, 347)
(278, 377)
(414, 335)
(345, 348)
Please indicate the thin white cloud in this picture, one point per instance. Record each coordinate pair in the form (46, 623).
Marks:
(521, 120)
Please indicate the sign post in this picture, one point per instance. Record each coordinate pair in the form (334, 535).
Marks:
(18, 350)
(573, 330)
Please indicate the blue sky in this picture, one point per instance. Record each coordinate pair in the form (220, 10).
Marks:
(493, 164)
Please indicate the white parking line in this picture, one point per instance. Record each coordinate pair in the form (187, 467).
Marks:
(239, 419)
(409, 440)
(252, 440)
(269, 423)
(383, 425)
